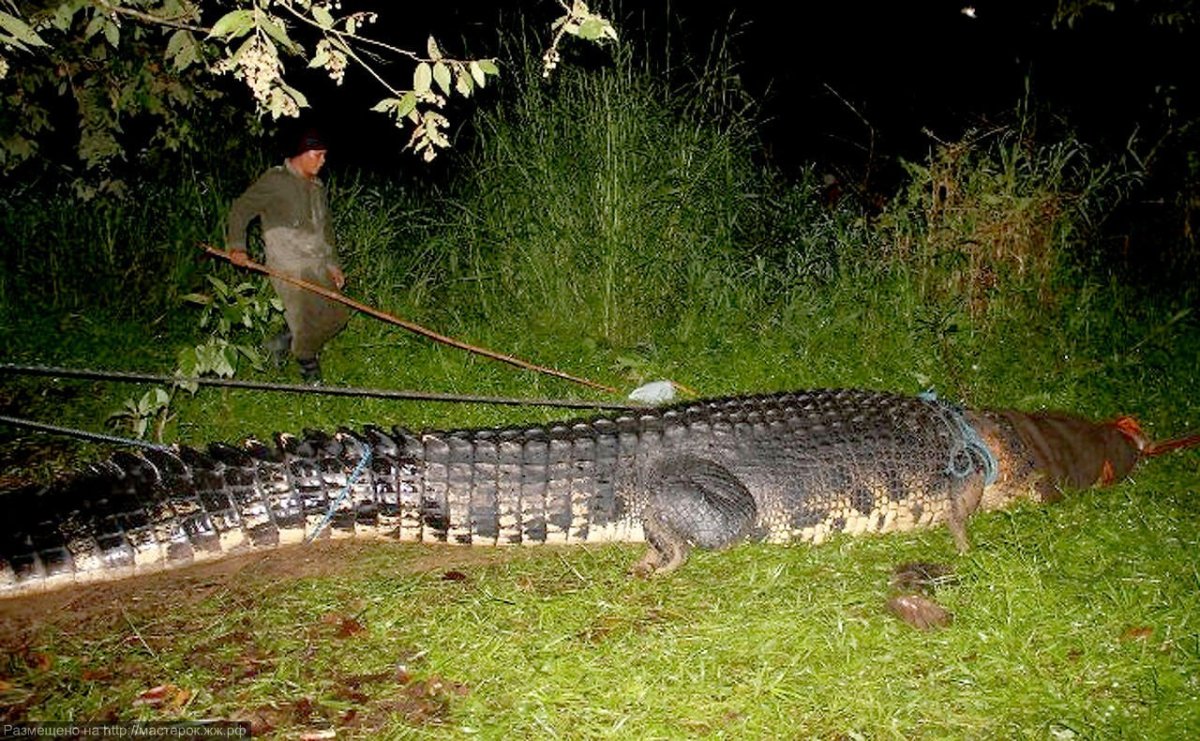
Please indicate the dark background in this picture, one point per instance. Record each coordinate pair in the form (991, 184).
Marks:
(849, 91)
(838, 79)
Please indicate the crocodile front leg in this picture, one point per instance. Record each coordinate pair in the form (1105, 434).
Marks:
(964, 501)
(692, 502)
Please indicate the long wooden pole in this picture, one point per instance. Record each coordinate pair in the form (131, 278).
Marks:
(416, 328)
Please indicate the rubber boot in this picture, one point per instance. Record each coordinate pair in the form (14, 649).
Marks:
(279, 349)
(310, 370)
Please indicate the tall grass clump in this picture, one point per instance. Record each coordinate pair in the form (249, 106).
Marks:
(606, 201)
(132, 252)
(999, 217)
(386, 234)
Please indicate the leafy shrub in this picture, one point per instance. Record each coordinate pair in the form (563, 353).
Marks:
(999, 214)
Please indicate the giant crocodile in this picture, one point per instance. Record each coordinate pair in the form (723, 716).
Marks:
(777, 467)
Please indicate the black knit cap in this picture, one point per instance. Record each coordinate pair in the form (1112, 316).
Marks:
(310, 139)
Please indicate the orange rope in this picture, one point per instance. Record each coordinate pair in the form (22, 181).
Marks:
(1129, 427)
(1169, 445)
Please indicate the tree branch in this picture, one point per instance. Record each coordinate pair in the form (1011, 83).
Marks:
(150, 18)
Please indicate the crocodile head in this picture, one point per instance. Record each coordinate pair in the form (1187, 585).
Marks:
(1041, 455)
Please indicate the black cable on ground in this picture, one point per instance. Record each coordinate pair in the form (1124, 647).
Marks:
(129, 377)
(96, 437)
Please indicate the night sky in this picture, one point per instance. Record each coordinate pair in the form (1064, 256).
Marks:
(820, 69)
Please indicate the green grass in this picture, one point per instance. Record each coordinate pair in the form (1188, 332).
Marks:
(1079, 621)
(620, 228)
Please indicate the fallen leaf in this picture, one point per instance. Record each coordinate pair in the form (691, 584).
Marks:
(262, 720)
(349, 627)
(921, 575)
(166, 696)
(344, 626)
(426, 700)
(302, 710)
(1137, 633)
(38, 661)
(919, 611)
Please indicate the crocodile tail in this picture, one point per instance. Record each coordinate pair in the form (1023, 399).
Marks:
(157, 509)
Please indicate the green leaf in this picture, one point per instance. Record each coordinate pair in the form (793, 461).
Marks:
(488, 66)
(230, 315)
(228, 366)
(276, 31)
(296, 95)
(186, 361)
(434, 52)
(339, 44)
(20, 30)
(591, 29)
(252, 354)
(463, 83)
(477, 74)
(244, 47)
(94, 26)
(407, 103)
(181, 50)
(197, 298)
(387, 105)
(112, 33)
(233, 24)
(319, 59)
(422, 78)
(322, 16)
(64, 15)
(441, 75)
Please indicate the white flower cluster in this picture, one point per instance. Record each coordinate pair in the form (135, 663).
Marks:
(428, 135)
(335, 60)
(550, 60)
(257, 63)
(3, 68)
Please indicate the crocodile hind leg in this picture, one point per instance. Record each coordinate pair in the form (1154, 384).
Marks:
(693, 502)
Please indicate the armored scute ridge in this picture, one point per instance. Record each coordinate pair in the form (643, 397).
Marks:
(781, 467)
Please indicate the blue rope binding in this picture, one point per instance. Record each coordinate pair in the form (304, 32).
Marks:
(358, 469)
(972, 445)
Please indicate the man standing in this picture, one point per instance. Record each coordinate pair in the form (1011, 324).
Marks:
(290, 202)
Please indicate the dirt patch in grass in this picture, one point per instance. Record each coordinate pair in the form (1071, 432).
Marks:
(220, 634)
(72, 608)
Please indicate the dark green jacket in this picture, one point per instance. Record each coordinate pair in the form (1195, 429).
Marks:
(294, 214)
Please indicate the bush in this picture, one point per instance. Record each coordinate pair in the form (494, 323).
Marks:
(998, 215)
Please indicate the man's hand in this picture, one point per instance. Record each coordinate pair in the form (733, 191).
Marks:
(338, 277)
(239, 257)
